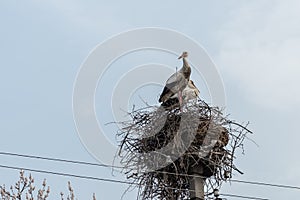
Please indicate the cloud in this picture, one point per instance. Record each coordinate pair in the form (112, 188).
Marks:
(97, 18)
(259, 50)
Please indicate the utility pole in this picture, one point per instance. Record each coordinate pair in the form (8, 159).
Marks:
(196, 182)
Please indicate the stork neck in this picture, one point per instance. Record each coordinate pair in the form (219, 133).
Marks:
(185, 63)
(186, 69)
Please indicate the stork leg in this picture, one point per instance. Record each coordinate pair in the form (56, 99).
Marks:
(180, 100)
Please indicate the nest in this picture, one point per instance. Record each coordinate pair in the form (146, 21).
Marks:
(159, 147)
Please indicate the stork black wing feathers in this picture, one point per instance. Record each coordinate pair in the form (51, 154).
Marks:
(167, 90)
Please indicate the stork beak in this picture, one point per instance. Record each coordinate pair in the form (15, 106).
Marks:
(180, 57)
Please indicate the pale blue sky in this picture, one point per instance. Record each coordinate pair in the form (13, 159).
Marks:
(255, 46)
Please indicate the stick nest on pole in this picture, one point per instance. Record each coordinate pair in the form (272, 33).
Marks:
(159, 145)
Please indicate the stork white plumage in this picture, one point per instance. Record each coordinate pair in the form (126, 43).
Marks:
(190, 92)
(177, 82)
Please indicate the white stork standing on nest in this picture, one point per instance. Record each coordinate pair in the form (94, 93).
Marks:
(177, 82)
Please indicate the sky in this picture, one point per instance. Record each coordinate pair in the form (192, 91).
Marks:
(255, 46)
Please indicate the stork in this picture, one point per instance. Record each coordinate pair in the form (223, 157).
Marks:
(177, 82)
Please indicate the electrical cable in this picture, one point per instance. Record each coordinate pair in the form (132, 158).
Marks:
(243, 197)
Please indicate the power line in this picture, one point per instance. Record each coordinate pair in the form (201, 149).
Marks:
(266, 184)
(111, 166)
(106, 179)
(57, 159)
(243, 197)
(65, 174)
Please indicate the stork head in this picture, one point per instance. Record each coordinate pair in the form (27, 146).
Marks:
(183, 55)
